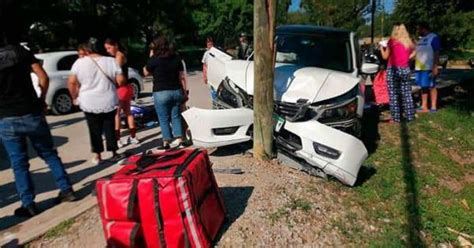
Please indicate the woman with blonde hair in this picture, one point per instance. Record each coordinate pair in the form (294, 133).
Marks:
(399, 50)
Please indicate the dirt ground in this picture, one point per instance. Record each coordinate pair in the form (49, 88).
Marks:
(268, 205)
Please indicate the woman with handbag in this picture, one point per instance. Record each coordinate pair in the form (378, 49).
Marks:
(169, 89)
(93, 86)
(124, 92)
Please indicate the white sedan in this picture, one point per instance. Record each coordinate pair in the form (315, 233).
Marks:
(58, 65)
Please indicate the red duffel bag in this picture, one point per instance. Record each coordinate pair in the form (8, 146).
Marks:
(172, 195)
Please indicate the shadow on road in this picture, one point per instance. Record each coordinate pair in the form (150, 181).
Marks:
(44, 182)
(235, 200)
(232, 149)
(63, 123)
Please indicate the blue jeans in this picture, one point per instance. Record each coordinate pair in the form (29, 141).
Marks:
(13, 133)
(168, 109)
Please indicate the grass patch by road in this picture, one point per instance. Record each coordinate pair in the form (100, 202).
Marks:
(424, 181)
(59, 230)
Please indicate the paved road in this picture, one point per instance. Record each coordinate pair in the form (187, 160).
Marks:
(71, 138)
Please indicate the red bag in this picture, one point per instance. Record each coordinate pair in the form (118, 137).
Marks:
(173, 195)
(125, 92)
(380, 88)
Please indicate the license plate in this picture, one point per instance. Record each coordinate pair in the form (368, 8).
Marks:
(278, 122)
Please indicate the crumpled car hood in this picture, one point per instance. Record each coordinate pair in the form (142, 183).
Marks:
(295, 82)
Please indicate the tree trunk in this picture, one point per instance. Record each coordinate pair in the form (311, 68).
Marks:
(264, 30)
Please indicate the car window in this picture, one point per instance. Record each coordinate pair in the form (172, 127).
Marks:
(317, 51)
(65, 63)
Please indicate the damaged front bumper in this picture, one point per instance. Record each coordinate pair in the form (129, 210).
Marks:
(330, 150)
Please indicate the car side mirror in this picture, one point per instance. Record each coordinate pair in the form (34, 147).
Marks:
(369, 68)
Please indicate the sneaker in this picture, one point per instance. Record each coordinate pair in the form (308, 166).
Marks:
(421, 110)
(66, 196)
(96, 161)
(176, 143)
(134, 140)
(433, 110)
(118, 157)
(120, 144)
(28, 211)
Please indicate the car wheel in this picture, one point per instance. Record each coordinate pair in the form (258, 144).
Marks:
(136, 88)
(62, 103)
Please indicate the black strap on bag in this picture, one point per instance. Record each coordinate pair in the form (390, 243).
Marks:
(104, 73)
(147, 159)
(187, 161)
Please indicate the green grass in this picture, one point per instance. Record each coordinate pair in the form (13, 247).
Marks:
(59, 230)
(420, 186)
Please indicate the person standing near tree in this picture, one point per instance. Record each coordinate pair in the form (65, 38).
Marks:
(93, 86)
(399, 50)
(205, 58)
(426, 66)
(22, 114)
(124, 93)
(244, 50)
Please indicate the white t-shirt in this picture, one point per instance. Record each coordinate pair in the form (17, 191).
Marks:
(205, 56)
(97, 93)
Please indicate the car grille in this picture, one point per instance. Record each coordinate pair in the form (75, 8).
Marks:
(291, 111)
(289, 140)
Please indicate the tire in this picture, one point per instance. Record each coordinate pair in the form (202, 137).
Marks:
(62, 103)
(136, 88)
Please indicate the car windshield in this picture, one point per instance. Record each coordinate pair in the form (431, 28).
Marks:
(314, 51)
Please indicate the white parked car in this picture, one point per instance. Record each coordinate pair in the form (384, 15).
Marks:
(318, 95)
(58, 65)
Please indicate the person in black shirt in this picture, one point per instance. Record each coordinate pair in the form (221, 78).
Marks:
(169, 88)
(22, 118)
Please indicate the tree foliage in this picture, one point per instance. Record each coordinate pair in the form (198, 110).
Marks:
(347, 14)
(451, 19)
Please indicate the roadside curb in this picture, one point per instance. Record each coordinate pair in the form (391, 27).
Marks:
(33, 228)
(36, 227)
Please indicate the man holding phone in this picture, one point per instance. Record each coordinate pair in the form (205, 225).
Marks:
(426, 66)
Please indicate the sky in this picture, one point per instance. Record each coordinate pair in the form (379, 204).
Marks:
(389, 5)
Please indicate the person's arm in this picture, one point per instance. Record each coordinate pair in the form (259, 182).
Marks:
(184, 85)
(385, 52)
(43, 79)
(73, 85)
(146, 73)
(436, 45)
(120, 79)
(121, 59)
(204, 73)
(413, 54)
(149, 67)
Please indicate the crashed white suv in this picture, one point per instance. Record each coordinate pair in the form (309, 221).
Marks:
(318, 101)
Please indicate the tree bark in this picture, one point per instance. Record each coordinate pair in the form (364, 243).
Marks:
(264, 32)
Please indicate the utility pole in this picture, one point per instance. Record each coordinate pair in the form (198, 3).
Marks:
(264, 35)
(373, 4)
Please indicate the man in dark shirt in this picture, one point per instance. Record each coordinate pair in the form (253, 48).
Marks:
(244, 50)
(21, 116)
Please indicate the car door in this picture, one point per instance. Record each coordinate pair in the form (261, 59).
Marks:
(216, 66)
(219, 127)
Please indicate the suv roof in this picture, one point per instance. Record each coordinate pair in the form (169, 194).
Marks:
(316, 30)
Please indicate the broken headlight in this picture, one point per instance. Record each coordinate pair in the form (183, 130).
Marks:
(230, 94)
(336, 109)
